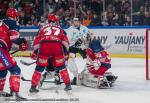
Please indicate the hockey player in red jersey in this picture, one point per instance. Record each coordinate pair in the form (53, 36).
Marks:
(98, 62)
(9, 33)
(50, 44)
(98, 59)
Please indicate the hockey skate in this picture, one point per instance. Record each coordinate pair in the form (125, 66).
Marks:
(33, 90)
(110, 77)
(5, 94)
(108, 80)
(68, 89)
(17, 96)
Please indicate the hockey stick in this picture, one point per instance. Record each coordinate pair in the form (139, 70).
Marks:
(28, 80)
(15, 51)
(26, 63)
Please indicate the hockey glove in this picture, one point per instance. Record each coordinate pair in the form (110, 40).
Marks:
(78, 43)
(34, 55)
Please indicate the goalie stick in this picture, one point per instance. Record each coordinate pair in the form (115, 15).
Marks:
(26, 63)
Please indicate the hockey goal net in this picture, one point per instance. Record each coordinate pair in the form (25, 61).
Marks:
(147, 54)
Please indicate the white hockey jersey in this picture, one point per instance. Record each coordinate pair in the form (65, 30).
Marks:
(74, 34)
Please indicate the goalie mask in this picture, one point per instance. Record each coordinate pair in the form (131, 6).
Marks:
(96, 46)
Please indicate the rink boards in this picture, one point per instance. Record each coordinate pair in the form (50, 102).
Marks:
(118, 41)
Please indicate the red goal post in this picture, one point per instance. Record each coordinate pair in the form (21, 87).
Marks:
(147, 54)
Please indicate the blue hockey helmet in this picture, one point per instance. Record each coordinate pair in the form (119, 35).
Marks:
(96, 46)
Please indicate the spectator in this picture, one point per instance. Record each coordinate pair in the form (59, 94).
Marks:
(127, 20)
(2, 12)
(28, 9)
(115, 13)
(17, 4)
(38, 9)
(86, 21)
(96, 6)
(116, 21)
(65, 21)
(147, 18)
(42, 21)
(126, 7)
(22, 19)
(139, 16)
(51, 6)
(33, 21)
(96, 21)
(137, 4)
(117, 6)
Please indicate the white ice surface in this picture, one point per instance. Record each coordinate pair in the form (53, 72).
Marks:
(130, 87)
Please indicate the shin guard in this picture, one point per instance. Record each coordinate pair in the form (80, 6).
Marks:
(2, 84)
(36, 78)
(14, 82)
(65, 76)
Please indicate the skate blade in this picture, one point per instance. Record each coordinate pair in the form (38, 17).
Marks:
(69, 92)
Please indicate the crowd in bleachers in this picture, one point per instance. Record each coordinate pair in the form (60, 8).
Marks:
(91, 12)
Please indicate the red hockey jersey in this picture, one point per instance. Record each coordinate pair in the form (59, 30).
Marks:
(49, 33)
(8, 33)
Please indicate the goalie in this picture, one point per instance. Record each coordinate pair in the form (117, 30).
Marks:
(98, 62)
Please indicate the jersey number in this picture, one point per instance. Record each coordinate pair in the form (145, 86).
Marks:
(48, 31)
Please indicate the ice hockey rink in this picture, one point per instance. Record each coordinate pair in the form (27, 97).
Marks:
(130, 87)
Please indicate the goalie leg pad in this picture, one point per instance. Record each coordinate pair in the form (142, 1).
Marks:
(65, 76)
(42, 60)
(89, 80)
(73, 67)
(14, 82)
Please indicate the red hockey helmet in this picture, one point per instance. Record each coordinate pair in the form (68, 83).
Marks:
(12, 12)
(90, 53)
(52, 18)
